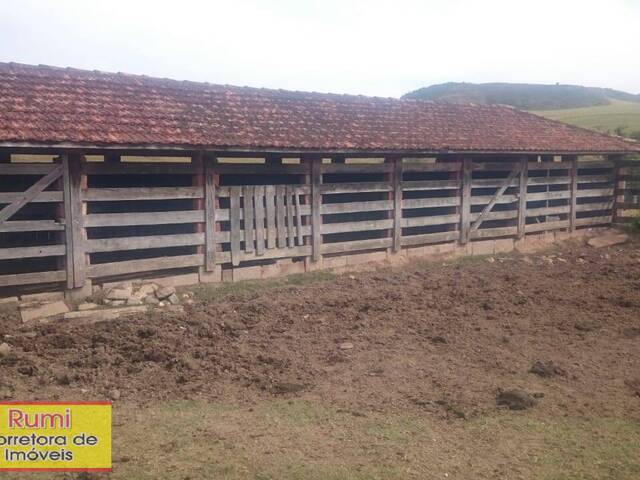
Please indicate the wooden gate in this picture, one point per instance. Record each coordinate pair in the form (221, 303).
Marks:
(267, 221)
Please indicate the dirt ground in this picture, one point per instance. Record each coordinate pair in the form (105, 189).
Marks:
(422, 350)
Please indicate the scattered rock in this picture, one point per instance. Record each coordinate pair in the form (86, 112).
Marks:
(134, 301)
(173, 299)
(438, 339)
(5, 349)
(516, 399)
(546, 369)
(32, 312)
(608, 240)
(8, 300)
(161, 304)
(151, 300)
(114, 394)
(165, 292)
(118, 303)
(119, 294)
(345, 346)
(147, 289)
(87, 306)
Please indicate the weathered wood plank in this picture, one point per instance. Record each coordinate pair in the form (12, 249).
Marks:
(143, 218)
(68, 219)
(296, 195)
(258, 200)
(26, 168)
(31, 226)
(432, 220)
(42, 197)
(291, 233)
(543, 211)
(224, 191)
(120, 168)
(595, 192)
(31, 193)
(300, 251)
(397, 203)
(359, 226)
(548, 166)
(339, 247)
(360, 187)
(540, 196)
(493, 182)
(431, 167)
(466, 200)
(410, 203)
(591, 165)
(547, 226)
(522, 196)
(495, 166)
(430, 185)
(209, 215)
(428, 238)
(595, 178)
(270, 199)
(144, 265)
(357, 168)
(316, 206)
(493, 232)
(595, 206)
(33, 278)
(144, 242)
(32, 252)
(253, 169)
(248, 192)
(281, 215)
(141, 193)
(573, 188)
(549, 180)
(354, 207)
(76, 229)
(234, 214)
(601, 220)
(499, 215)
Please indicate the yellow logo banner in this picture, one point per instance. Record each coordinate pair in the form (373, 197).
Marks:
(55, 436)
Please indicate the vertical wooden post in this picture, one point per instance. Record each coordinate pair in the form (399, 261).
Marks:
(573, 202)
(316, 205)
(397, 204)
(75, 232)
(465, 204)
(522, 196)
(618, 186)
(210, 184)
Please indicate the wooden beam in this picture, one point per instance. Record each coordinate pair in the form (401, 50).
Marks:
(465, 201)
(397, 204)
(234, 217)
(316, 205)
(522, 196)
(76, 230)
(573, 202)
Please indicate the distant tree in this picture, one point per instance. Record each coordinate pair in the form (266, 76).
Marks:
(619, 130)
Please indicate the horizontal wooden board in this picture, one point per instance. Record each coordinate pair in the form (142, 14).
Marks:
(548, 180)
(254, 169)
(595, 178)
(140, 169)
(546, 226)
(432, 220)
(539, 196)
(32, 252)
(409, 203)
(141, 193)
(269, 254)
(428, 238)
(595, 192)
(357, 168)
(602, 220)
(26, 168)
(33, 278)
(549, 165)
(431, 185)
(224, 236)
(301, 189)
(500, 215)
(494, 166)
(31, 226)
(536, 212)
(485, 199)
(431, 167)
(593, 206)
(493, 232)
(42, 197)
(492, 182)
(353, 207)
(359, 187)
(356, 226)
(140, 243)
(143, 218)
(222, 214)
(357, 245)
(589, 165)
(144, 265)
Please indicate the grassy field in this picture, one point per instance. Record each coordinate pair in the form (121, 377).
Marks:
(603, 118)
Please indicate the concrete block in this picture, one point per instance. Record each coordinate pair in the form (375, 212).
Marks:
(271, 271)
(397, 259)
(44, 310)
(7, 300)
(227, 275)
(416, 252)
(247, 273)
(43, 297)
(87, 306)
(334, 262)
(361, 258)
(79, 294)
(561, 235)
(288, 268)
(504, 245)
(483, 247)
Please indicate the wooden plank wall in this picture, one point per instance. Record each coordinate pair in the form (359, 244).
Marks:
(136, 218)
(627, 193)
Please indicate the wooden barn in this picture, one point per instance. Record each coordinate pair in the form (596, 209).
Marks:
(112, 176)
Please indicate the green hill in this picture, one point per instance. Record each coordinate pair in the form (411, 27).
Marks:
(603, 109)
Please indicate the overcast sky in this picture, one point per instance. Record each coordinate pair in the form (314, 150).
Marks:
(370, 47)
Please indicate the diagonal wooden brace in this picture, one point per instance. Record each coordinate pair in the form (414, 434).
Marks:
(32, 192)
(496, 197)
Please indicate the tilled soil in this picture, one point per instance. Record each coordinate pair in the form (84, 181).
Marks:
(447, 338)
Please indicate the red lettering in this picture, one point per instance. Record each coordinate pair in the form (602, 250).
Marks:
(15, 418)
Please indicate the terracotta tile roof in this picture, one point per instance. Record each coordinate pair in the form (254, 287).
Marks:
(40, 104)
